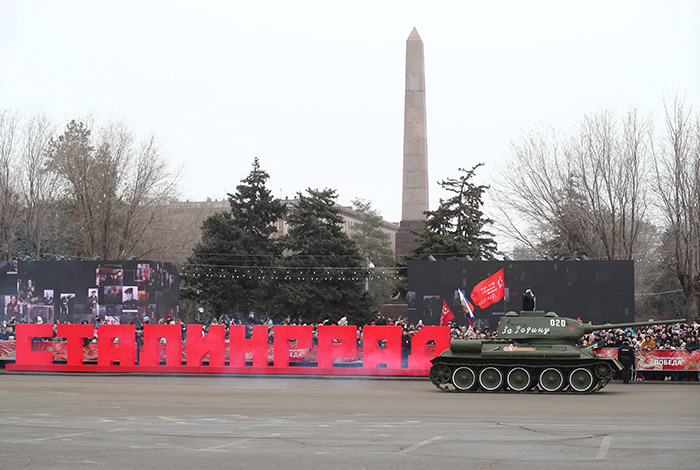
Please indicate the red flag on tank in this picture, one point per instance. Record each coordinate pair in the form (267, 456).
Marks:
(490, 290)
(446, 315)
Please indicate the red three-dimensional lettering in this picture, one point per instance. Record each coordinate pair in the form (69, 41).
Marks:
(152, 334)
(23, 344)
(75, 334)
(303, 334)
(213, 343)
(110, 351)
(390, 354)
(239, 345)
(117, 347)
(335, 342)
(421, 353)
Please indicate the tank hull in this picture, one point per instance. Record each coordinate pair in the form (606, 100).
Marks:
(476, 366)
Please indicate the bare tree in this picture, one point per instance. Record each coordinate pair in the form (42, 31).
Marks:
(582, 195)
(678, 178)
(9, 197)
(113, 156)
(149, 187)
(37, 186)
(611, 168)
(117, 189)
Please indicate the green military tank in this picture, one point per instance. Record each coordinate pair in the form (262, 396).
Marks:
(535, 351)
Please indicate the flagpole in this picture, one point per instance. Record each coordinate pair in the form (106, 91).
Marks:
(505, 307)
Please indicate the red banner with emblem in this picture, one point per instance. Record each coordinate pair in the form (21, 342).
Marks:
(490, 290)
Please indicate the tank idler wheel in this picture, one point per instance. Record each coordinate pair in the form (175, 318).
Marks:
(581, 380)
(603, 371)
(490, 379)
(551, 380)
(518, 379)
(440, 374)
(464, 378)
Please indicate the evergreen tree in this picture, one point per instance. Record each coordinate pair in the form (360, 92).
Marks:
(374, 245)
(457, 228)
(229, 268)
(324, 276)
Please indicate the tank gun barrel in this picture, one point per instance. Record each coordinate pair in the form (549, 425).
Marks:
(632, 325)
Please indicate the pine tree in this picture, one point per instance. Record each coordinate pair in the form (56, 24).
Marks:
(324, 276)
(229, 269)
(457, 228)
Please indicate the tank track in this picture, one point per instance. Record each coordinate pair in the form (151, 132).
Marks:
(599, 373)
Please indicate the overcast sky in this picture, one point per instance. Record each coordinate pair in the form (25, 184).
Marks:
(316, 89)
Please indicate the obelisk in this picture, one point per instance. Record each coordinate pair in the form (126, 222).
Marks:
(414, 201)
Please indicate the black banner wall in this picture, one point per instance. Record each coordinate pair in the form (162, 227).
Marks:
(75, 291)
(595, 291)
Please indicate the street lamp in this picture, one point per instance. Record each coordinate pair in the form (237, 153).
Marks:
(370, 267)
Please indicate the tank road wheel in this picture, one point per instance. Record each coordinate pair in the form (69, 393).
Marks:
(581, 380)
(518, 379)
(440, 374)
(551, 380)
(464, 378)
(603, 371)
(490, 379)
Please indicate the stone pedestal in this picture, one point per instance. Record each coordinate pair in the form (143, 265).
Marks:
(406, 238)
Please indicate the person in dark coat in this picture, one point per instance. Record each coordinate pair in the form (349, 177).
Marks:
(528, 300)
(626, 356)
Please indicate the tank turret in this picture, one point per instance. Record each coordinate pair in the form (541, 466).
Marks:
(540, 327)
(535, 351)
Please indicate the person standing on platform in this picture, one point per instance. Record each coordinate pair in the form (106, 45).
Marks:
(625, 354)
(529, 301)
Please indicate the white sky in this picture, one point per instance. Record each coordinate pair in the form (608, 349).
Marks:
(315, 89)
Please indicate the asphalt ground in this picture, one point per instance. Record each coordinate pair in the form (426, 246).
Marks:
(170, 422)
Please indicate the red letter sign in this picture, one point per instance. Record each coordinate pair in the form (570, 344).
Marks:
(23, 348)
(284, 334)
(214, 344)
(152, 335)
(75, 334)
(336, 342)
(390, 354)
(421, 354)
(109, 352)
(239, 345)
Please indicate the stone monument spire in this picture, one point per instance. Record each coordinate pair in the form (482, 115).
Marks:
(414, 201)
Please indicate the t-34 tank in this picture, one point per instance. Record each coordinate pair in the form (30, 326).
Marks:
(535, 351)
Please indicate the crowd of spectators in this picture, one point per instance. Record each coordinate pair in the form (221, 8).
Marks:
(679, 336)
(682, 336)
